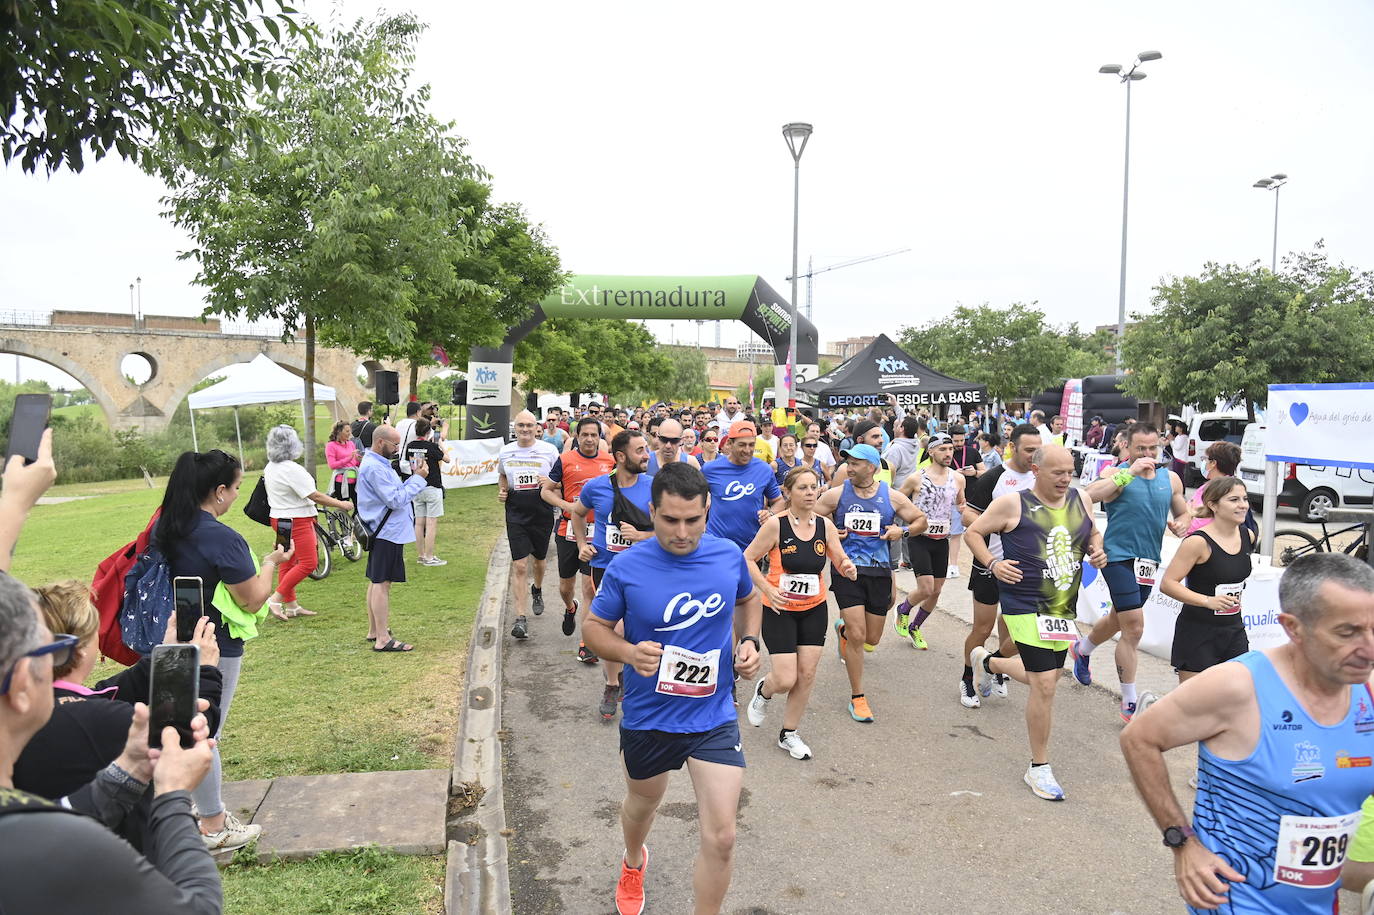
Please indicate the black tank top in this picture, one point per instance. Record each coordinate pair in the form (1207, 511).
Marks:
(1220, 569)
(806, 559)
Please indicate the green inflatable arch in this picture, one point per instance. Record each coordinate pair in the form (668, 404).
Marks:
(684, 298)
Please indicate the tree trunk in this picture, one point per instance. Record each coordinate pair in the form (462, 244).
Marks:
(414, 379)
(308, 395)
(1249, 408)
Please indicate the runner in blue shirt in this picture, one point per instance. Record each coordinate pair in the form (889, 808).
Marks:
(692, 617)
(598, 496)
(744, 490)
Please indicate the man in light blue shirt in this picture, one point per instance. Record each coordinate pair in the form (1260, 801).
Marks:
(384, 506)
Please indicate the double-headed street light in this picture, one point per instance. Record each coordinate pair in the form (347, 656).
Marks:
(1127, 76)
(796, 135)
(1273, 183)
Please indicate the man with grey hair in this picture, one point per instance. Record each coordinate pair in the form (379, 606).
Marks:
(522, 467)
(56, 861)
(1284, 742)
(384, 505)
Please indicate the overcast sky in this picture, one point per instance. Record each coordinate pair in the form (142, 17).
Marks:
(647, 140)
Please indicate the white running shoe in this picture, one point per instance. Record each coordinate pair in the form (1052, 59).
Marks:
(235, 834)
(758, 706)
(1042, 783)
(999, 685)
(1147, 699)
(975, 660)
(968, 697)
(794, 745)
(952, 572)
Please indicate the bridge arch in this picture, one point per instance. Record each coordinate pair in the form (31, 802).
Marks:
(60, 360)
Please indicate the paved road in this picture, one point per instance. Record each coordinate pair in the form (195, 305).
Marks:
(924, 810)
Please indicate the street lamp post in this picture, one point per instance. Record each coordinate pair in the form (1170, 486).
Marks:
(1273, 183)
(1134, 74)
(796, 135)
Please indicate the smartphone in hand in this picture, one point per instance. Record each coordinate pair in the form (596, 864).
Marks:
(173, 690)
(284, 533)
(189, 594)
(31, 415)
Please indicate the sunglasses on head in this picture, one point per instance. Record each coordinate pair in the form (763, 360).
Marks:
(61, 648)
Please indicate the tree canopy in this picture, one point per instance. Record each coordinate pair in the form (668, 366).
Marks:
(344, 220)
(590, 354)
(1012, 350)
(79, 76)
(1232, 331)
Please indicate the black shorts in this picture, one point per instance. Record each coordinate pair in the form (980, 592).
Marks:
(1201, 643)
(568, 563)
(983, 585)
(650, 753)
(783, 632)
(929, 557)
(1127, 593)
(386, 562)
(872, 592)
(1037, 659)
(598, 573)
(529, 537)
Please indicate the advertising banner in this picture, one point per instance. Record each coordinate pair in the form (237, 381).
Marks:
(1324, 424)
(1071, 408)
(470, 462)
(489, 384)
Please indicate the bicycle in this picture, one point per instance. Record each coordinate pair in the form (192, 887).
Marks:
(341, 530)
(1290, 544)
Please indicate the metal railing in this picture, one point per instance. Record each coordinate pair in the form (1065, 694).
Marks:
(268, 329)
(25, 318)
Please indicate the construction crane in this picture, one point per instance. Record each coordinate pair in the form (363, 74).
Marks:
(810, 272)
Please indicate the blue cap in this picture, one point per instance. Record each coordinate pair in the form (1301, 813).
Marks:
(867, 452)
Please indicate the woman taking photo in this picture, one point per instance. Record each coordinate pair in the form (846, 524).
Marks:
(1215, 561)
(291, 494)
(200, 490)
(343, 459)
(794, 608)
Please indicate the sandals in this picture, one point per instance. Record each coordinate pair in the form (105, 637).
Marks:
(298, 610)
(279, 611)
(372, 638)
(393, 645)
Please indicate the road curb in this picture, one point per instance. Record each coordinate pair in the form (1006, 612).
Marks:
(477, 876)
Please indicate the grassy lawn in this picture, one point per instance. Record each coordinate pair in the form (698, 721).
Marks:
(366, 882)
(313, 698)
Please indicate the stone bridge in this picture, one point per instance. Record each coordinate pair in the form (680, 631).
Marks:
(90, 346)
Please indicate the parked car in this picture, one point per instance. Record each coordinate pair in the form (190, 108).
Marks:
(1310, 488)
(1203, 430)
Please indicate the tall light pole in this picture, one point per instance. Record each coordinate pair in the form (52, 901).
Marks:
(796, 135)
(1273, 183)
(1126, 76)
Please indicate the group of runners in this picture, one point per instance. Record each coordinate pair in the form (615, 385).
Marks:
(725, 556)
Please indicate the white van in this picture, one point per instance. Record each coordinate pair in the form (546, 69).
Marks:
(1203, 430)
(1310, 488)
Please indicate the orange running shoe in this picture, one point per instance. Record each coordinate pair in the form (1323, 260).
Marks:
(629, 892)
(859, 710)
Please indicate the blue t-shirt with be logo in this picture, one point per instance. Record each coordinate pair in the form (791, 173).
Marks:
(737, 493)
(687, 605)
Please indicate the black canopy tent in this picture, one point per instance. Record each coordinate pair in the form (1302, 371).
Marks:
(882, 368)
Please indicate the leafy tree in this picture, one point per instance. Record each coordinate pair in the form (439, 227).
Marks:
(618, 358)
(341, 221)
(1231, 332)
(1011, 350)
(510, 266)
(686, 379)
(92, 75)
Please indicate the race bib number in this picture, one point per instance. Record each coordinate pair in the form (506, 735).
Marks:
(569, 536)
(526, 478)
(1055, 628)
(861, 522)
(937, 529)
(686, 673)
(1311, 850)
(1231, 590)
(616, 541)
(800, 585)
(1145, 570)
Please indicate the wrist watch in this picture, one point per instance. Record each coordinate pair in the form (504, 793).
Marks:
(750, 638)
(1176, 836)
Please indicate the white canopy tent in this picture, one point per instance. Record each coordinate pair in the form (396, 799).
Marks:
(262, 382)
